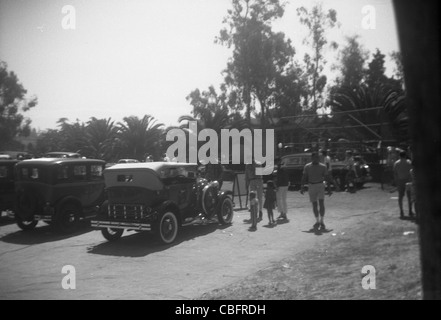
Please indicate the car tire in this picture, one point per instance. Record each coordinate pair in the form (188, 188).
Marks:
(112, 234)
(225, 212)
(25, 225)
(209, 196)
(167, 227)
(67, 218)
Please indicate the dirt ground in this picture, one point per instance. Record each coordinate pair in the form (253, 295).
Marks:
(209, 261)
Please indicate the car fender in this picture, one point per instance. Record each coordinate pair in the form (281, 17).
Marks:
(167, 205)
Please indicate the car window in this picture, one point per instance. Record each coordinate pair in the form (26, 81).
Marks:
(30, 174)
(80, 172)
(34, 174)
(3, 171)
(96, 172)
(63, 173)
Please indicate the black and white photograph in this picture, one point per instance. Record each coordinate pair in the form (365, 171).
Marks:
(237, 152)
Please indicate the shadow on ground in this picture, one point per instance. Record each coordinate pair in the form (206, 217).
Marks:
(144, 243)
(42, 233)
(318, 232)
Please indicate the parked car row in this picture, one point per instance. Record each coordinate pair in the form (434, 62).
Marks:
(158, 197)
(293, 165)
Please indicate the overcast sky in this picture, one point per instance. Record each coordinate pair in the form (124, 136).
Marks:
(137, 57)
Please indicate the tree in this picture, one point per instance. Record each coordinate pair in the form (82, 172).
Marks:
(137, 137)
(375, 74)
(13, 103)
(398, 71)
(259, 54)
(317, 21)
(101, 135)
(352, 59)
(366, 124)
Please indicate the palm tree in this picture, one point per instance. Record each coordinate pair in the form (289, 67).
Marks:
(366, 124)
(139, 136)
(101, 135)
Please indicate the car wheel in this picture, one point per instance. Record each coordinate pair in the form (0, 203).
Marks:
(67, 218)
(168, 227)
(209, 196)
(225, 213)
(25, 225)
(112, 234)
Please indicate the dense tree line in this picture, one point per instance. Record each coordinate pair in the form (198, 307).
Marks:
(263, 79)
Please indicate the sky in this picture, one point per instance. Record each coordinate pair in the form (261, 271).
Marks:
(120, 58)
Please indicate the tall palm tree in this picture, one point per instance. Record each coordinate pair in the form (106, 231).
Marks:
(139, 136)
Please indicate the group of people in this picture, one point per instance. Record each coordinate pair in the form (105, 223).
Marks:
(275, 195)
(315, 175)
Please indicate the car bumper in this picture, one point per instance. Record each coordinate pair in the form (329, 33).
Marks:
(138, 226)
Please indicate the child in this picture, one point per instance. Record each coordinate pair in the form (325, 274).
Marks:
(270, 201)
(254, 207)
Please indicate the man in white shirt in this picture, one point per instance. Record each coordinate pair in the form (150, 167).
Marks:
(315, 174)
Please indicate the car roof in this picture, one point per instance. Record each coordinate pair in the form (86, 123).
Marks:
(61, 153)
(52, 161)
(303, 154)
(154, 166)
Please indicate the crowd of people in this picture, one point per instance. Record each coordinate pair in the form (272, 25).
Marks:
(317, 176)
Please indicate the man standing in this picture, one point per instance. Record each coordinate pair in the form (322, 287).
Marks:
(282, 183)
(402, 176)
(315, 174)
(327, 161)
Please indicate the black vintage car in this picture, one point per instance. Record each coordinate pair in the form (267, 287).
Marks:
(58, 191)
(7, 189)
(293, 165)
(159, 197)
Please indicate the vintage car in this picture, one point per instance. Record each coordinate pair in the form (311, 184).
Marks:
(159, 197)
(58, 191)
(362, 170)
(62, 154)
(127, 161)
(293, 164)
(7, 191)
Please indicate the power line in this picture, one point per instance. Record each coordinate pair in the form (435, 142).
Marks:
(331, 114)
(350, 127)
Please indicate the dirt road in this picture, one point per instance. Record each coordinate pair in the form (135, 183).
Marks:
(203, 258)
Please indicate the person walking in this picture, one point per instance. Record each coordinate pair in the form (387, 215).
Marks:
(326, 160)
(315, 174)
(282, 184)
(270, 201)
(402, 175)
(255, 183)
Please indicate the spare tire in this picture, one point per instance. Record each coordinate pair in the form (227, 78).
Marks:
(209, 199)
